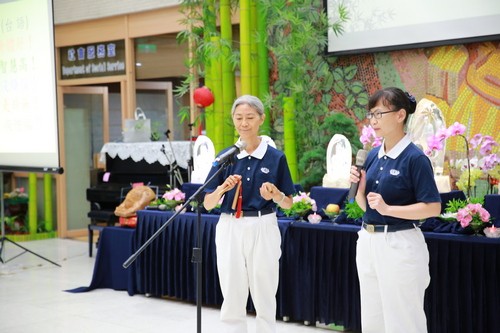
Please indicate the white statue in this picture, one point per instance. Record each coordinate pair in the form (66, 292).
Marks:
(269, 141)
(203, 157)
(338, 162)
(424, 123)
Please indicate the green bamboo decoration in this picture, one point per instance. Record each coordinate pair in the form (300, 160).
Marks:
(32, 203)
(245, 66)
(218, 133)
(289, 135)
(262, 54)
(47, 194)
(254, 65)
(228, 83)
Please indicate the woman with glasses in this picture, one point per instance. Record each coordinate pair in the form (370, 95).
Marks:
(396, 190)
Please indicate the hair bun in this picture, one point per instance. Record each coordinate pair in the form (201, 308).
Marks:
(410, 97)
(412, 102)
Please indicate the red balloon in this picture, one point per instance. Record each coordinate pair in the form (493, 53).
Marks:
(203, 97)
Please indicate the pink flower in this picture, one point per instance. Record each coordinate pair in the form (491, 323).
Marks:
(367, 133)
(368, 137)
(475, 140)
(441, 134)
(434, 143)
(472, 213)
(377, 142)
(456, 129)
(487, 145)
(314, 206)
(474, 208)
(174, 194)
(485, 215)
(465, 220)
(490, 161)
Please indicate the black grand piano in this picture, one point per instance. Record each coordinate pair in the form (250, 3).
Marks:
(110, 186)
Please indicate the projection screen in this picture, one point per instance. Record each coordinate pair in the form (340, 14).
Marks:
(28, 104)
(384, 25)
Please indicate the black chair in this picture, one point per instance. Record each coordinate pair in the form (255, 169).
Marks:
(102, 214)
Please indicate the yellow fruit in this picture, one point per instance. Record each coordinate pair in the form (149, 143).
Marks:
(332, 208)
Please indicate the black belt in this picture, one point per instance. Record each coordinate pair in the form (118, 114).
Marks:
(390, 228)
(254, 213)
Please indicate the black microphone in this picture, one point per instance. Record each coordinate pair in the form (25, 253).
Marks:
(229, 153)
(360, 161)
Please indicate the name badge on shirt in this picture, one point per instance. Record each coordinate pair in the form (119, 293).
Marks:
(264, 170)
(394, 172)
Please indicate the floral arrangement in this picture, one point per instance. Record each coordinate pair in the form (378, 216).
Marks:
(473, 215)
(16, 196)
(480, 147)
(368, 137)
(171, 200)
(302, 204)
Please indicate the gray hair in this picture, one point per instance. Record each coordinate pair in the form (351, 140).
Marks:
(252, 101)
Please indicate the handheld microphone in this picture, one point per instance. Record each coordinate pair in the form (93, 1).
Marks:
(360, 161)
(229, 153)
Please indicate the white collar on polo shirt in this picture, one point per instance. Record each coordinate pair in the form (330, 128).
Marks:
(397, 149)
(257, 153)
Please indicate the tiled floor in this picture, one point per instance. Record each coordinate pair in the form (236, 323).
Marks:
(32, 298)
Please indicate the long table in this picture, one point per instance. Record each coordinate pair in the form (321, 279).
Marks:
(318, 276)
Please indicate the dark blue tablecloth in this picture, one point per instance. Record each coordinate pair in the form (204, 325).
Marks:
(115, 247)
(492, 205)
(318, 276)
(165, 268)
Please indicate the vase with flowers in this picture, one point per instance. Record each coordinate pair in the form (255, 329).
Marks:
(474, 216)
(301, 206)
(170, 200)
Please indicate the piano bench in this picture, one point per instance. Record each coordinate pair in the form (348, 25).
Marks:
(99, 219)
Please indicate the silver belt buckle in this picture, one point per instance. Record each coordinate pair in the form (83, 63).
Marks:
(370, 228)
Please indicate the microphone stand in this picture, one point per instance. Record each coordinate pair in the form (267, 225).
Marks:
(197, 251)
(191, 158)
(175, 173)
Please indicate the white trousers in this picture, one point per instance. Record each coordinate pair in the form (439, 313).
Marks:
(248, 252)
(393, 270)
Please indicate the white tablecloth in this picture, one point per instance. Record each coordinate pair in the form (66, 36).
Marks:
(151, 152)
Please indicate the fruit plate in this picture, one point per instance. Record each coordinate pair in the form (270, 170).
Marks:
(331, 215)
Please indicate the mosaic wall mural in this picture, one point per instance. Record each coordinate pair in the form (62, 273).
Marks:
(462, 80)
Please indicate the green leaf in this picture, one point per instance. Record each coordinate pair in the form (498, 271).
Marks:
(349, 101)
(350, 72)
(357, 87)
(339, 87)
(338, 74)
(363, 99)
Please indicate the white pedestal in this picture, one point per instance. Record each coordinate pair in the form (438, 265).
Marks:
(443, 183)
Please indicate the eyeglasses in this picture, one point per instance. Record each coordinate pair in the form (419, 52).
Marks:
(377, 114)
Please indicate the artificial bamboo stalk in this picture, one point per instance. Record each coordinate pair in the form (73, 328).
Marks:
(32, 204)
(254, 65)
(262, 55)
(228, 83)
(47, 202)
(218, 133)
(289, 135)
(245, 67)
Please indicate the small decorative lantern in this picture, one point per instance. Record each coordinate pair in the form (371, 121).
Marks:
(203, 97)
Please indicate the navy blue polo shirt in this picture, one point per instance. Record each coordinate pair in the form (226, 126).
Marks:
(403, 177)
(265, 164)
